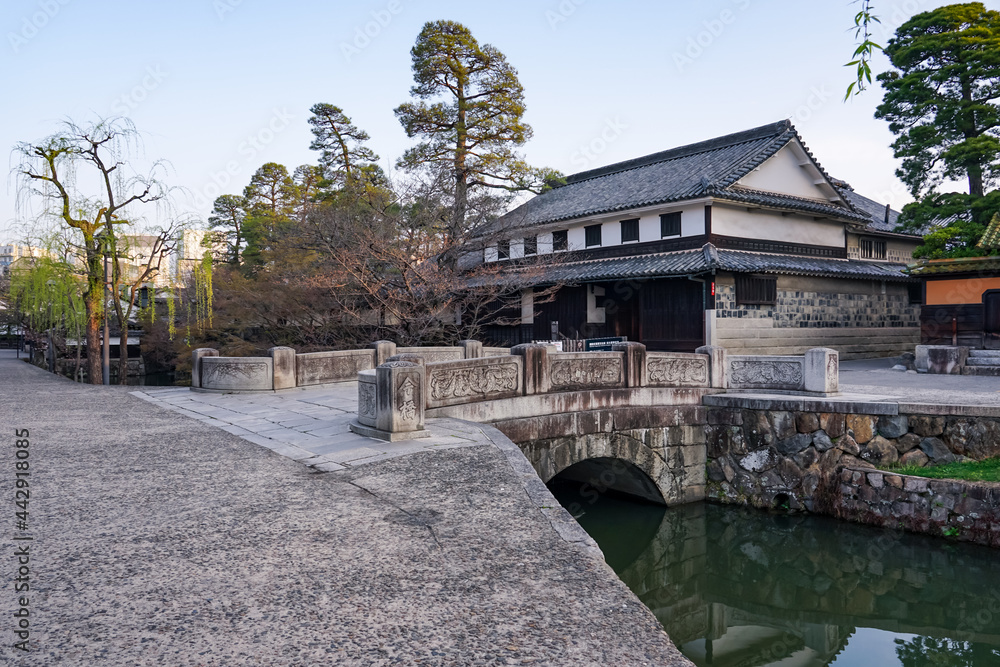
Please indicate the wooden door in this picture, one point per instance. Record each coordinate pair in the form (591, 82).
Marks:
(673, 315)
(991, 320)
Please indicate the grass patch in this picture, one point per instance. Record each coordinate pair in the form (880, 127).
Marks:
(971, 471)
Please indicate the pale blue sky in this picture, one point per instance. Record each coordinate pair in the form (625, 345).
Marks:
(218, 87)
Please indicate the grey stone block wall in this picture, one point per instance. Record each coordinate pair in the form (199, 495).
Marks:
(967, 511)
(832, 308)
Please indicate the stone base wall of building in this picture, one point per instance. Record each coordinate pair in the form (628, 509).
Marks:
(796, 460)
(858, 319)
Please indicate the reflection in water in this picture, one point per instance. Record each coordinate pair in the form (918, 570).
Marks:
(743, 588)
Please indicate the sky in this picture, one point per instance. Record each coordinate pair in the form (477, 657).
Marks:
(219, 87)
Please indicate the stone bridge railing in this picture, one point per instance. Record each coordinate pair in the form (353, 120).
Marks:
(283, 368)
(395, 397)
(397, 386)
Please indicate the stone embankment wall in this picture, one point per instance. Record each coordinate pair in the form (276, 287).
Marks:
(968, 511)
(795, 458)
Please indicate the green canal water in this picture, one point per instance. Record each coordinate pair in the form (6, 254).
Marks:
(743, 588)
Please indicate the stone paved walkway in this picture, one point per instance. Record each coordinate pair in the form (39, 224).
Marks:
(160, 540)
(307, 425)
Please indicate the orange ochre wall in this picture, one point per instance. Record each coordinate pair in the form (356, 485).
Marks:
(960, 291)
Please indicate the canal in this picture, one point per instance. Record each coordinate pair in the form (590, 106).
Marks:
(742, 588)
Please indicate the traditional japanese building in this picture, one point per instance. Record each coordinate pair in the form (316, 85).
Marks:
(742, 241)
(962, 297)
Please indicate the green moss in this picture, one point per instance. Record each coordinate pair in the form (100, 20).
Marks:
(972, 471)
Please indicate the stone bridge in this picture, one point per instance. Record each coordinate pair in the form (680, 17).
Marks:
(627, 419)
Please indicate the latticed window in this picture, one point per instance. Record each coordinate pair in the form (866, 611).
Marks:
(756, 290)
(560, 240)
(503, 250)
(871, 248)
(593, 235)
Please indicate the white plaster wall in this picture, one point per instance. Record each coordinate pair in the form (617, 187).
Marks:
(545, 243)
(729, 221)
(595, 314)
(577, 238)
(782, 173)
(528, 306)
(517, 248)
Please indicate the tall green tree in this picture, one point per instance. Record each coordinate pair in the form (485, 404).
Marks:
(941, 103)
(469, 113)
(229, 214)
(270, 199)
(343, 153)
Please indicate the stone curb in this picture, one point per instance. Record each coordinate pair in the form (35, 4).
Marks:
(848, 404)
(563, 522)
(949, 410)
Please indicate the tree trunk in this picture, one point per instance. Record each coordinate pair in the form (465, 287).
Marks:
(93, 306)
(123, 356)
(79, 350)
(976, 188)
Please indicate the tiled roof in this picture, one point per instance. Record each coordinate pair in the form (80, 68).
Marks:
(707, 258)
(781, 201)
(991, 237)
(704, 169)
(875, 210)
(961, 265)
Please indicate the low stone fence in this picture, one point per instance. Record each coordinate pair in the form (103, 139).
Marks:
(818, 372)
(283, 368)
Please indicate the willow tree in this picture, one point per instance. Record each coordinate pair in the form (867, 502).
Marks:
(469, 113)
(47, 293)
(83, 181)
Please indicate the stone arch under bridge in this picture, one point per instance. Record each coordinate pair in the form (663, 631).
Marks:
(662, 463)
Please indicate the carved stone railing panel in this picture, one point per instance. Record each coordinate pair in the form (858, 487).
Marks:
(473, 380)
(366, 397)
(759, 372)
(669, 369)
(570, 371)
(496, 351)
(237, 373)
(434, 354)
(322, 367)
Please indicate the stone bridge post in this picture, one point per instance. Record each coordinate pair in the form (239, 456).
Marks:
(196, 357)
(536, 367)
(473, 349)
(283, 359)
(635, 363)
(717, 366)
(822, 370)
(383, 350)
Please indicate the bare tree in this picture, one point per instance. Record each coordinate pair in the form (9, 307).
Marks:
(84, 183)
